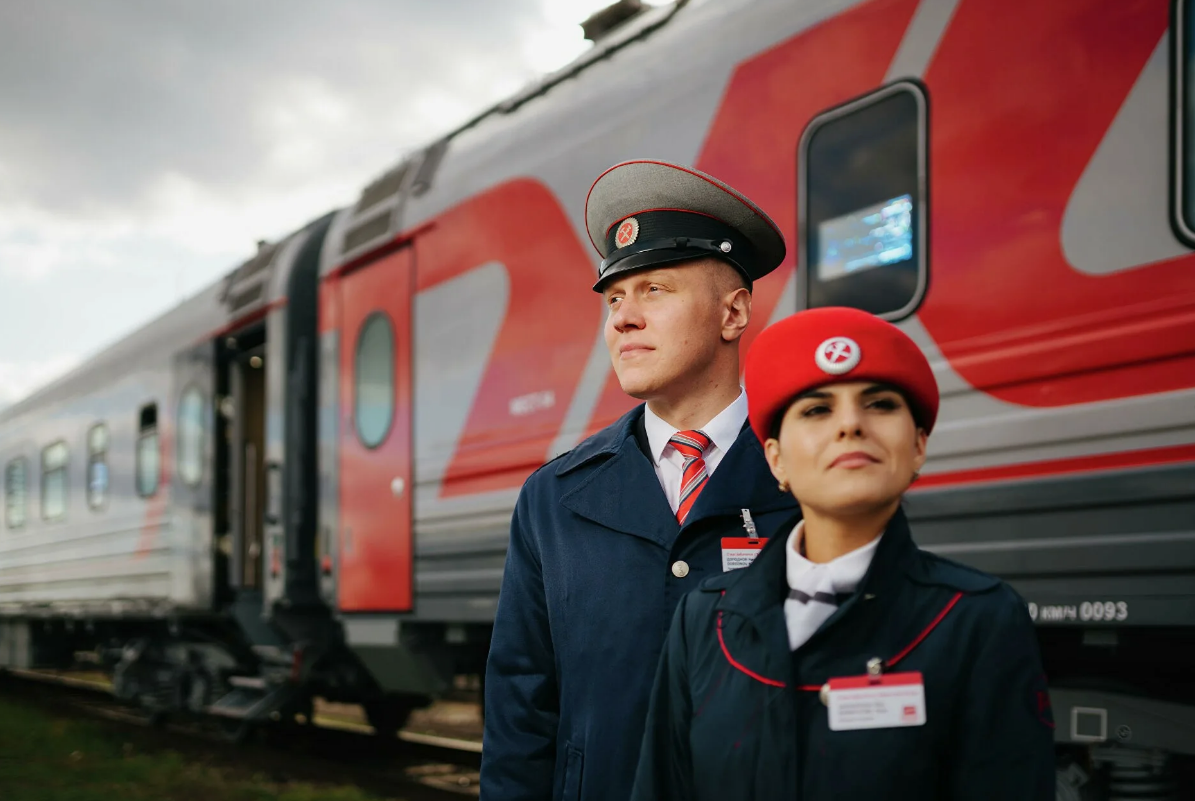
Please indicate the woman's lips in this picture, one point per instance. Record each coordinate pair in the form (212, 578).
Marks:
(854, 460)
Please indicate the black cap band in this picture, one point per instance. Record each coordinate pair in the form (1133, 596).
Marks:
(667, 236)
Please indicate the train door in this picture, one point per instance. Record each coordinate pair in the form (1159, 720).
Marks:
(240, 463)
(192, 489)
(376, 544)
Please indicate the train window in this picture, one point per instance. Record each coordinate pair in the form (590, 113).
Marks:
(55, 459)
(16, 493)
(97, 466)
(1182, 82)
(191, 427)
(863, 203)
(149, 463)
(374, 380)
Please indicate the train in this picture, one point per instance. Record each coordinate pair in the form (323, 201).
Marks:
(298, 482)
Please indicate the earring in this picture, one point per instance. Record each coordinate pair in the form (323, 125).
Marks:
(783, 486)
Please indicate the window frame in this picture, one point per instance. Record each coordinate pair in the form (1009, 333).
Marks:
(65, 470)
(1180, 105)
(144, 432)
(197, 391)
(95, 457)
(920, 93)
(23, 461)
(377, 314)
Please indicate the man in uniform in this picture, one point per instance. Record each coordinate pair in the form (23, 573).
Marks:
(607, 538)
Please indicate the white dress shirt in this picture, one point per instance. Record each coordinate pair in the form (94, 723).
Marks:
(669, 463)
(815, 590)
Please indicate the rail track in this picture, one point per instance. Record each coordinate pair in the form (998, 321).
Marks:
(415, 766)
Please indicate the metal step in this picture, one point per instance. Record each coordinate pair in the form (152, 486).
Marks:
(273, 654)
(252, 703)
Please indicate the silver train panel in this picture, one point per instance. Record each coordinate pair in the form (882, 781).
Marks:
(132, 555)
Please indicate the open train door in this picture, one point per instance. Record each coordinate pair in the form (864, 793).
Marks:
(376, 544)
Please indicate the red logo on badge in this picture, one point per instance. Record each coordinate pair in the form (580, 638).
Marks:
(627, 233)
(910, 712)
(838, 355)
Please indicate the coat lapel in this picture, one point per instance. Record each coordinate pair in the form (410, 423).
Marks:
(756, 596)
(621, 491)
(742, 481)
(758, 593)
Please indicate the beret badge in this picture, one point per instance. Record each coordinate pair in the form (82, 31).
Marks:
(838, 355)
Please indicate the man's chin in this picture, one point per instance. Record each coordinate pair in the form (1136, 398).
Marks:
(639, 390)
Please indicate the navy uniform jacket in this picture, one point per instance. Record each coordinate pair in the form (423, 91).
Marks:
(586, 601)
(721, 726)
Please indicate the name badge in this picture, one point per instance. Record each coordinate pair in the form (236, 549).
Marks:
(740, 551)
(876, 702)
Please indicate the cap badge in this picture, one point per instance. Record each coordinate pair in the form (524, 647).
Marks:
(838, 355)
(628, 232)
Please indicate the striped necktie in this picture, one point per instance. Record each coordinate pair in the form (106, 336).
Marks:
(690, 444)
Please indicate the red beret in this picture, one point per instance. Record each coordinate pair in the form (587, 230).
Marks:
(814, 348)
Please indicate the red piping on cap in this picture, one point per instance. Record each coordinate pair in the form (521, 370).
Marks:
(734, 194)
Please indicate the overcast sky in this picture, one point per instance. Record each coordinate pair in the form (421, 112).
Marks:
(146, 145)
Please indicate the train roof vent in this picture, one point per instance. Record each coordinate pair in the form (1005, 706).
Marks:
(612, 16)
(383, 188)
(368, 230)
(246, 285)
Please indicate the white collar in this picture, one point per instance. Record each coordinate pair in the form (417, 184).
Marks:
(843, 573)
(723, 430)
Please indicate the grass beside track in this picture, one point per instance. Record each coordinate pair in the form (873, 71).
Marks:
(48, 758)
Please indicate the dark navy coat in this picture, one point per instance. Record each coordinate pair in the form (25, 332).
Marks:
(736, 715)
(586, 601)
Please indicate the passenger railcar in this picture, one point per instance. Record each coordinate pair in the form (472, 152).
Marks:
(299, 481)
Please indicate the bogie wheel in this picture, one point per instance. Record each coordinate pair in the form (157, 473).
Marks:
(234, 730)
(389, 716)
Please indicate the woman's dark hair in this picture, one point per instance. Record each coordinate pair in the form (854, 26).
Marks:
(778, 419)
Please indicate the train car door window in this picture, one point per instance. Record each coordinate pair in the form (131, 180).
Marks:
(863, 203)
(374, 380)
(55, 460)
(97, 466)
(16, 495)
(149, 461)
(191, 429)
(1182, 82)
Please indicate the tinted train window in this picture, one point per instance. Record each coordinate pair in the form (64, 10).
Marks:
(16, 493)
(863, 204)
(55, 459)
(191, 427)
(149, 462)
(1183, 141)
(97, 466)
(374, 380)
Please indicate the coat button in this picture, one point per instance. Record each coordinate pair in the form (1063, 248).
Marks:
(680, 569)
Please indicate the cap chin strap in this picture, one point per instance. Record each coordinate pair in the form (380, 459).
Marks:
(667, 251)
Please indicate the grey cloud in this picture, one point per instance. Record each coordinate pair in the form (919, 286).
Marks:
(102, 97)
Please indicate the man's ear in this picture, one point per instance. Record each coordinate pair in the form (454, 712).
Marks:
(736, 313)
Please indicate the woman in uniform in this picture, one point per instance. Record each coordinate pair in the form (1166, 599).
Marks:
(845, 662)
